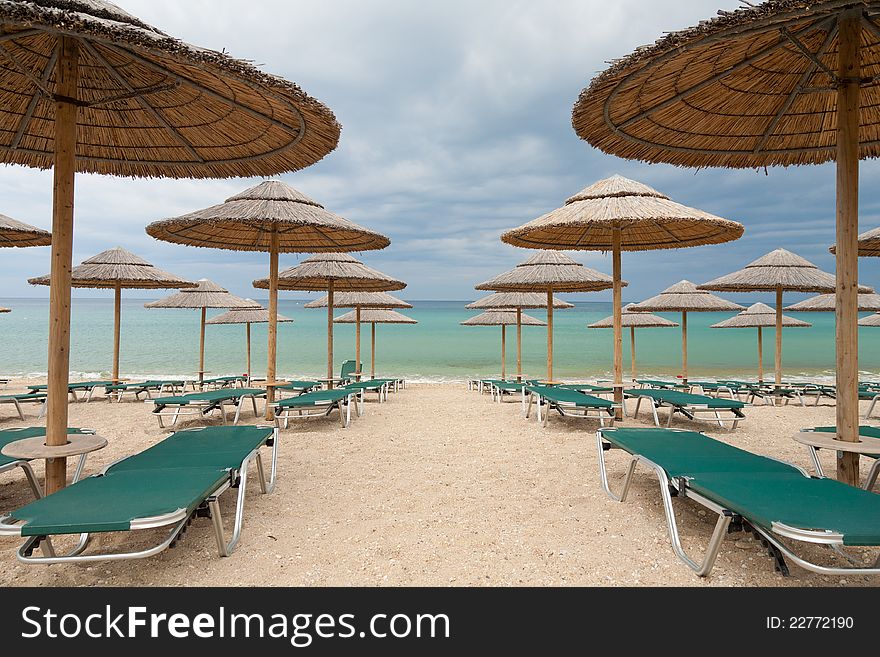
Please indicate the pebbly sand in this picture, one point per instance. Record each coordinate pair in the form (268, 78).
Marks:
(437, 487)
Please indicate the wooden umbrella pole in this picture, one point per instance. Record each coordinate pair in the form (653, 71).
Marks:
(632, 350)
(202, 348)
(503, 349)
(760, 356)
(519, 344)
(617, 321)
(117, 322)
(330, 334)
(549, 335)
(684, 347)
(372, 350)
(357, 339)
(273, 324)
(66, 73)
(846, 307)
(778, 362)
(247, 330)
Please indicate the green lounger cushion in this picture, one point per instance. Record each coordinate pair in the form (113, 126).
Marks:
(79, 385)
(26, 396)
(677, 398)
(146, 384)
(584, 386)
(318, 398)
(372, 384)
(210, 396)
(11, 435)
(298, 385)
(565, 396)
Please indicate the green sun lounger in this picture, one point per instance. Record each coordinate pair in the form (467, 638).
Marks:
(661, 385)
(319, 403)
(164, 487)
(86, 387)
(225, 382)
(8, 463)
(159, 386)
(777, 501)
(569, 403)
(693, 407)
(865, 432)
(25, 398)
(378, 386)
(870, 393)
(202, 403)
(298, 387)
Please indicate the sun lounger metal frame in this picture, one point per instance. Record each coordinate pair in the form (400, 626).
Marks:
(727, 522)
(88, 387)
(566, 408)
(320, 408)
(29, 474)
(870, 479)
(199, 407)
(690, 411)
(379, 386)
(118, 390)
(177, 521)
(873, 395)
(26, 397)
(220, 382)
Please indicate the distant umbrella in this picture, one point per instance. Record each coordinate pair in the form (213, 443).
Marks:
(870, 320)
(207, 294)
(759, 316)
(868, 302)
(632, 321)
(869, 243)
(373, 316)
(254, 314)
(18, 233)
(684, 298)
(549, 271)
(505, 318)
(5, 310)
(116, 269)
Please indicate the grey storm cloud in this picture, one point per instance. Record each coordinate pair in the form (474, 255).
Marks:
(456, 127)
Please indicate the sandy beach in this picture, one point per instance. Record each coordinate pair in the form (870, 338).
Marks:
(440, 487)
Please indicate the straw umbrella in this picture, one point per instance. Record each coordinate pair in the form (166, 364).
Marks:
(778, 271)
(373, 316)
(517, 301)
(869, 243)
(684, 298)
(5, 310)
(116, 269)
(206, 294)
(504, 318)
(253, 314)
(272, 217)
(632, 321)
(870, 320)
(786, 82)
(87, 87)
(359, 300)
(868, 302)
(618, 214)
(759, 316)
(549, 271)
(17, 233)
(332, 272)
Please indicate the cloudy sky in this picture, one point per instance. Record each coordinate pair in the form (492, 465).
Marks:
(456, 127)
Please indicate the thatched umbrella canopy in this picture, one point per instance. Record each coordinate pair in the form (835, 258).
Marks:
(632, 321)
(272, 217)
(684, 298)
(618, 214)
(778, 271)
(821, 303)
(869, 243)
(206, 294)
(116, 269)
(759, 316)
(549, 271)
(372, 316)
(18, 233)
(253, 314)
(516, 301)
(870, 320)
(5, 310)
(780, 83)
(88, 87)
(333, 272)
(505, 317)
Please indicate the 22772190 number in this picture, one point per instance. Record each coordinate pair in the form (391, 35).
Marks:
(810, 623)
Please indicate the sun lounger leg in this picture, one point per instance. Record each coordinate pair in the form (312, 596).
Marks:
(872, 475)
(43, 408)
(31, 479)
(638, 406)
(529, 406)
(18, 409)
(81, 463)
(870, 410)
(603, 474)
(254, 404)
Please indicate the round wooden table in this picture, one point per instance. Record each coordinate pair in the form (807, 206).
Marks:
(817, 440)
(78, 444)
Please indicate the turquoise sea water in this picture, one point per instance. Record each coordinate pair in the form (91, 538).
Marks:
(165, 342)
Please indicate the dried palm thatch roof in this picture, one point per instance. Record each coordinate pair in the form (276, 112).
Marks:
(375, 316)
(685, 297)
(5, 310)
(253, 314)
(778, 269)
(119, 267)
(549, 270)
(502, 318)
(869, 243)
(870, 320)
(360, 299)
(759, 315)
(207, 294)
(246, 221)
(741, 90)
(149, 105)
(18, 233)
(507, 300)
(347, 274)
(868, 302)
(632, 319)
(646, 218)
